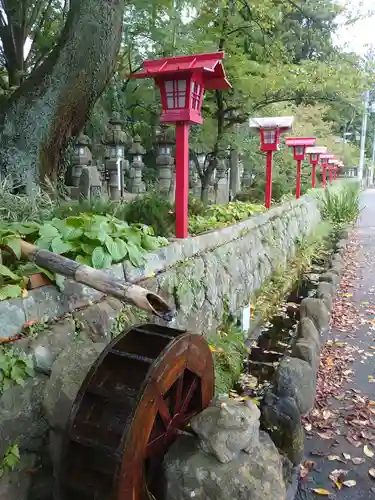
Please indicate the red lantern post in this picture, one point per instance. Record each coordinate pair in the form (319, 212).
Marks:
(324, 158)
(299, 145)
(314, 156)
(182, 81)
(270, 129)
(331, 165)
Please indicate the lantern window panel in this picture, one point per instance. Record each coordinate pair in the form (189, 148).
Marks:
(314, 157)
(269, 136)
(196, 94)
(175, 91)
(300, 150)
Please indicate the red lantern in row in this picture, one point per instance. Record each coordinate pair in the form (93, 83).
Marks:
(182, 81)
(324, 159)
(271, 129)
(299, 145)
(314, 156)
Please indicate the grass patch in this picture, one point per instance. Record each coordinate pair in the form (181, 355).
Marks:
(313, 247)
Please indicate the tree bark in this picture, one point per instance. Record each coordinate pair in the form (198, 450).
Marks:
(53, 103)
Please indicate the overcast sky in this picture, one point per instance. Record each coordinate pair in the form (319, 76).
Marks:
(359, 36)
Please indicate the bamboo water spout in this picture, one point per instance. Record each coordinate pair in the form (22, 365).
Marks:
(99, 280)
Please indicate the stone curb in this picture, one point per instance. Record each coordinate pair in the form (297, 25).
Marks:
(296, 375)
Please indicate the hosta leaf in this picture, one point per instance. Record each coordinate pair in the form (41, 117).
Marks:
(7, 273)
(59, 246)
(117, 248)
(100, 258)
(135, 255)
(14, 244)
(10, 292)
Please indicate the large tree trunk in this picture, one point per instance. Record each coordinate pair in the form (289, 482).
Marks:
(53, 103)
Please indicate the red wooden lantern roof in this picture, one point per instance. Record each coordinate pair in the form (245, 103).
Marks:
(326, 156)
(210, 65)
(318, 150)
(300, 141)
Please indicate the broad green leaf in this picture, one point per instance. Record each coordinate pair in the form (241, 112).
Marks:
(88, 248)
(6, 272)
(14, 244)
(47, 231)
(10, 292)
(135, 255)
(59, 246)
(149, 243)
(117, 248)
(84, 259)
(44, 243)
(100, 258)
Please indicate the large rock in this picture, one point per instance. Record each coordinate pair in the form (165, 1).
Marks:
(191, 473)
(326, 291)
(15, 485)
(308, 352)
(316, 310)
(97, 321)
(330, 277)
(68, 373)
(21, 416)
(281, 418)
(296, 379)
(306, 331)
(49, 343)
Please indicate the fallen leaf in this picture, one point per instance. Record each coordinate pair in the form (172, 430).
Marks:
(346, 456)
(372, 473)
(325, 435)
(308, 427)
(321, 491)
(326, 414)
(369, 453)
(358, 460)
(338, 475)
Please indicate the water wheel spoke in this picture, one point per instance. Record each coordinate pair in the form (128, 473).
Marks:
(178, 399)
(163, 410)
(155, 446)
(189, 395)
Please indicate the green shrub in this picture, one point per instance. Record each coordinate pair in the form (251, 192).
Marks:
(153, 210)
(99, 206)
(229, 351)
(340, 203)
(196, 206)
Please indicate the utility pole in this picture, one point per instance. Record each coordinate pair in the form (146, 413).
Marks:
(363, 137)
(372, 166)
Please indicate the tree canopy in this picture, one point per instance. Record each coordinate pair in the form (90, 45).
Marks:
(279, 57)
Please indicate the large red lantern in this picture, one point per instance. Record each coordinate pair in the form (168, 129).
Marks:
(299, 145)
(314, 156)
(182, 81)
(271, 129)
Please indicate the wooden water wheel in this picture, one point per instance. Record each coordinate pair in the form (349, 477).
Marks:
(139, 395)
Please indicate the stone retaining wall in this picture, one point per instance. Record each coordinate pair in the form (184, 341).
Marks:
(201, 276)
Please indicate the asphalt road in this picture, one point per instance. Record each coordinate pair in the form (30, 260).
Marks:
(362, 339)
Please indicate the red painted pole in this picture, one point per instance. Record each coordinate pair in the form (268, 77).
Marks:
(268, 192)
(182, 179)
(330, 175)
(298, 180)
(313, 176)
(324, 176)
(334, 175)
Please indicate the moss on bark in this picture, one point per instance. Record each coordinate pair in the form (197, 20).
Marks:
(53, 103)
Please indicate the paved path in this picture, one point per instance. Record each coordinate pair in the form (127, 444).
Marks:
(362, 344)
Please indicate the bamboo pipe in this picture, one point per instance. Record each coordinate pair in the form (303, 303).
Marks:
(99, 280)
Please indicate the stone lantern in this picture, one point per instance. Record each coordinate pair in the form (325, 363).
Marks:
(82, 157)
(135, 171)
(221, 181)
(165, 140)
(116, 140)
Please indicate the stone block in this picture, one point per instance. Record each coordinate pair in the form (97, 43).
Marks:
(326, 292)
(191, 473)
(97, 321)
(330, 277)
(45, 302)
(49, 343)
(316, 310)
(15, 485)
(306, 331)
(296, 379)
(12, 317)
(308, 352)
(68, 372)
(21, 418)
(281, 418)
